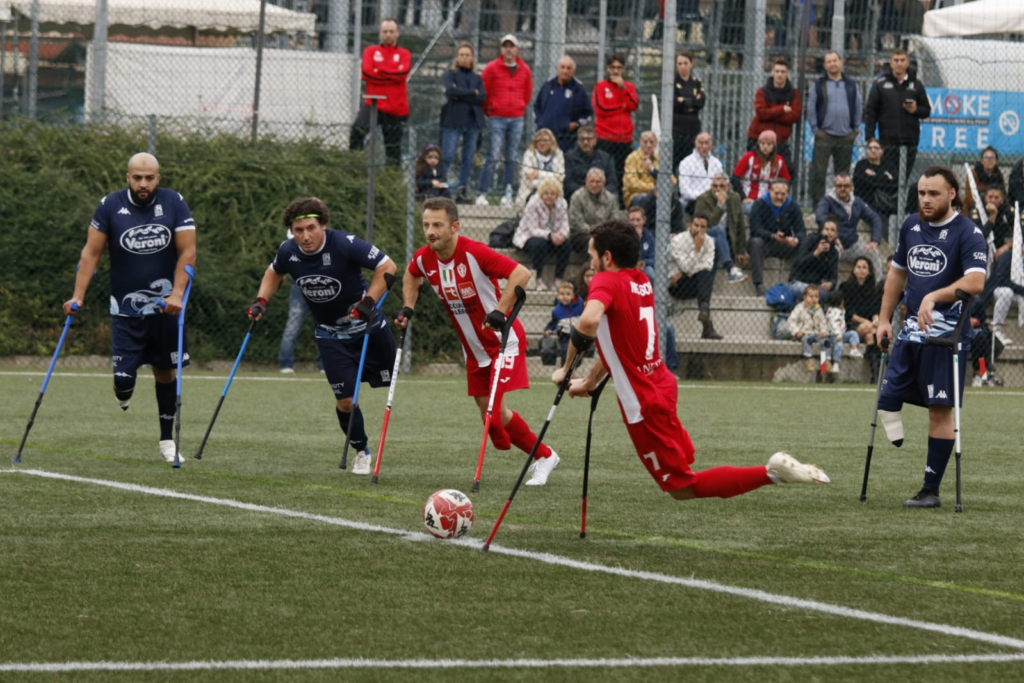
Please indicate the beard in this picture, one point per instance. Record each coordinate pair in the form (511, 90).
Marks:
(140, 200)
(937, 212)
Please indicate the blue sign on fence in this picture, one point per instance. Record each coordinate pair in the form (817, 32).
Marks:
(971, 120)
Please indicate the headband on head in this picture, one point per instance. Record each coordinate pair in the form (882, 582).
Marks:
(308, 215)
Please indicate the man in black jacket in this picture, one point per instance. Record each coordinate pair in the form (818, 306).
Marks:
(776, 229)
(896, 105)
(817, 262)
(584, 157)
(689, 100)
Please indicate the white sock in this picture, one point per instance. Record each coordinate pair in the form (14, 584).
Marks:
(835, 366)
(893, 424)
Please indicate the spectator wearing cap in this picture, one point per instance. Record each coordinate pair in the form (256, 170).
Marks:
(833, 110)
(563, 105)
(462, 115)
(385, 69)
(615, 100)
(757, 168)
(776, 109)
(690, 98)
(509, 86)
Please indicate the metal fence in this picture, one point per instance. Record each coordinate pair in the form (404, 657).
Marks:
(290, 69)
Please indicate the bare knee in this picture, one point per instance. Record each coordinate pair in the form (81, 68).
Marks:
(344, 404)
(164, 376)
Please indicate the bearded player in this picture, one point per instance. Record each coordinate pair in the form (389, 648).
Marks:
(620, 314)
(464, 274)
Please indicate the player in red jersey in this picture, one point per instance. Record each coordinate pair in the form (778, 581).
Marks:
(620, 313)
(464, 274)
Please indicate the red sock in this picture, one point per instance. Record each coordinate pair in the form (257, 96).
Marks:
(499, 437)
(726, 482)
(523, 437)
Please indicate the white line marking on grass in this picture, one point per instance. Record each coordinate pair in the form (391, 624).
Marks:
(628, 662)
(558, 560)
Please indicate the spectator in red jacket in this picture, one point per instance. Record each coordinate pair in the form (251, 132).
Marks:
(385, 68)
(776, 108)
(615, 101)
(508, 83)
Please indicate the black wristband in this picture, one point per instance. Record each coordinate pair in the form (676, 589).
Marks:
(406, 313)
(581, 341)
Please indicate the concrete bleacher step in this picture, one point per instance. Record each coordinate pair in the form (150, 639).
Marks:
(741, 324)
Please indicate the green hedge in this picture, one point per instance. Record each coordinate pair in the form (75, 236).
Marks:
(51, 179)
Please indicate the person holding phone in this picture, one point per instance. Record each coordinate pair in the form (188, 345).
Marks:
(896, 105)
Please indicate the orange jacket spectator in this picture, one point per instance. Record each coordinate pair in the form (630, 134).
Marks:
(613, 109)
(384, 71)
(509, 90)
(770, 105)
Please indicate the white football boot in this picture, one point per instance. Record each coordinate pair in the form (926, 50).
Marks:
(783, 468)
(361, 464)
(167, 451)
(542, 469)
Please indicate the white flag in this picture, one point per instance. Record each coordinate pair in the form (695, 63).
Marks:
(1017, 259)
(655, 117)
(979, 206)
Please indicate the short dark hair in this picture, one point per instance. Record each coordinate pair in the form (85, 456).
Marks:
(618, 238)
(443, 204)
(812, 288)
(306, 207)
(685, 53)
(703, 216)
(637, 209)
(950, 179)
(778, 181)
(780, 61)
(615, 57)
(997, 187)
(836, 297)
(992, 149)
(898, 51)
(831, 218)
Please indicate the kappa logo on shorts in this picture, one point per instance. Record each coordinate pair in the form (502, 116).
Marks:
(174, 357)
(385, 375)
(319, 288)
(146, 239)
(942, 395)
(924, 260)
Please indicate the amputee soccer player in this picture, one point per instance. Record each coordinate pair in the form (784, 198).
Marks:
(620, 314)
(327, 265)
(151, 237)
(939, 251)
(464, 273)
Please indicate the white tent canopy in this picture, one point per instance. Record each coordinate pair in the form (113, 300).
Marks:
(976, 18)
(228, 16)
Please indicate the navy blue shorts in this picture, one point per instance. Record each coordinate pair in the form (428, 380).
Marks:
(922, 375)
(341, 360)
(149, 340)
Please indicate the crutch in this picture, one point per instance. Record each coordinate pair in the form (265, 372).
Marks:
(387, 409)
(181, 343)
(594, 396)
(224, 394)
(874, 418)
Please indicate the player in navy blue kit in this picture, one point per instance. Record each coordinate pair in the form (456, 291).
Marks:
(939, 251)
(328, 266)
(151, 237)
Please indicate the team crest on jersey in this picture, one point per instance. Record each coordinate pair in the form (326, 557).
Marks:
(943, 235)
(447, 278)
(925, 260)
(327, 259)
(158, 211)
(146, 239)
(467, 291)
(319, 288)
(462, 270)
(378, 57)
(916, 228)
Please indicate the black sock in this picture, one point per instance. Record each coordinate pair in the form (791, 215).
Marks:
(359, 438)
(124, 385)
(165, 399)
(939, 451)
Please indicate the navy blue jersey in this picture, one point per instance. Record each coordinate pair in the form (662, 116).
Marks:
(331, 279)
(936, 256)
(141, 244)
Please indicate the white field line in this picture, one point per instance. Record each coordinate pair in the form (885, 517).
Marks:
(696, 387)
(269, 664)
(558, 560)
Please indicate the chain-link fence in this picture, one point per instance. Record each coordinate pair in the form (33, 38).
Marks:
(185, 68)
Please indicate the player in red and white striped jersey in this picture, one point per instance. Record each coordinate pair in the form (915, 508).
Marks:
(464, 273)
(620, 313)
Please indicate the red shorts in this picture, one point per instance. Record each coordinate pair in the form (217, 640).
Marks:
(513, 376)
(664, 446)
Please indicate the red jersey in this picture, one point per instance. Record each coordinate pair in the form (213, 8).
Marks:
(613, 111)
(627, 339)
(468, 285)
(754, 176)
(385, 70)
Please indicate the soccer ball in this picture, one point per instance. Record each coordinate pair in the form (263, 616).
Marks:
(448, 514)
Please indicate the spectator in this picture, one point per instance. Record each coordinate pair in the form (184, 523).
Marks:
(690, 99)
(986, 174)
(757, 168)
(641, 170)
(541, 161)
(563, 105)
(692, 270)
(1001, 287)
(385, 69)
(585, 157)
(997, 221)
(588, 206)
(650, 206)
(776, 229)
(543, 229)
(807, 324)
(834, 112)
(697, 170)
(1015, 190)
(509, 86)
(724, 210)
(638, 219)
(836, 315)
(430, 181)
(896, 104)
(615, 101)
(850, 211)
(862, 300)
(568, 307)
(582, 281)
(817, 262)
(776, 109)
(875, 184)
(462, 116)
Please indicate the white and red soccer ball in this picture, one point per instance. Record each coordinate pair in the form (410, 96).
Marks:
(448, 514)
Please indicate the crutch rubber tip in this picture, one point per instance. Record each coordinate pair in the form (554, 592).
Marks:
(583, 534)
(485, 547)
(198, 456)
(959, 508)
(475, 487)
(176, 465)
(863, 498)
(373, 479)
(16, 461)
